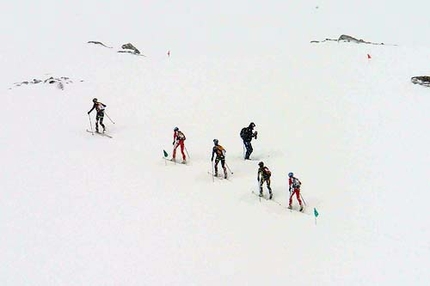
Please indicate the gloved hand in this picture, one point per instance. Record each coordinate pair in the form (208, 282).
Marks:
(212, 159)
(255, 134)
(173, 143)
(258, 179)
(88, 113)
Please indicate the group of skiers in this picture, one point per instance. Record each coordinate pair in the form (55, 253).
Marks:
(218, 155)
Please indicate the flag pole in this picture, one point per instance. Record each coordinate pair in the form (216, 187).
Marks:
(316, 214)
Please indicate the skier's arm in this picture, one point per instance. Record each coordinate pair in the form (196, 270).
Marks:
(94, 106)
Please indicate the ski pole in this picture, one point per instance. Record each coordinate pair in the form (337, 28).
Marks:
(187, 152)
(109, 118)
(91, 125)
(258, 188)
(303, 199)
(228, 168)
(212, 165)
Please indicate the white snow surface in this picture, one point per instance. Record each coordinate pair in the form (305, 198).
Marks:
(82, 209)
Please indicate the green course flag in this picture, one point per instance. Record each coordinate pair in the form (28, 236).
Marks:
(316, 212)
(165, 153)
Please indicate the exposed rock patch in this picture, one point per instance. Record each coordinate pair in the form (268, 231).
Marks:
(421, 80)
(59, 82)
(98, 43)
(347, 39)
(129, 48)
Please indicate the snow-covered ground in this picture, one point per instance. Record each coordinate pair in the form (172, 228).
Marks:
(78, 209)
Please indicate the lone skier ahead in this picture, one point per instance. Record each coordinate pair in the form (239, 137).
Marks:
(247, 133)
(100, 108)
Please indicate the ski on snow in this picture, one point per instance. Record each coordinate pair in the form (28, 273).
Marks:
(278, 203)
(174, 162)
(264, 197)
(218, 177)
(101, 134)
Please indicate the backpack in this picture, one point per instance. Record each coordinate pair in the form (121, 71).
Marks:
(181, 135)
(266, 172)
(100, 106)
(243, 133)
(296, 183)
(220, 151)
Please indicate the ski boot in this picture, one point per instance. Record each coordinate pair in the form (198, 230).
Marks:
(301, 208)
(270, 195)
(290, 207)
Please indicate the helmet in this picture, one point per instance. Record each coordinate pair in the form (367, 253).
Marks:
(94, 99)
(252, 124)
(215, 141)
(290, 174)
(175, 129)
(261, 164)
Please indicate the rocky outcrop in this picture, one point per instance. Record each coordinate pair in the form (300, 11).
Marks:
(129, 48)
(347, 39)
(98, 43)
(421, 80)
(59, 82)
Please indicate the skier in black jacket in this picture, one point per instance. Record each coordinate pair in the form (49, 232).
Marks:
(247, 133)
(100, 108)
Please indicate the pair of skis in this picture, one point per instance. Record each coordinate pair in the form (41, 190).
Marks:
(174, 162)
(218, 177)
(264, 197)
(276, 202)
(102, 134)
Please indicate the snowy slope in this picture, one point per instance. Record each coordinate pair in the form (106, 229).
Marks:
(79, 209)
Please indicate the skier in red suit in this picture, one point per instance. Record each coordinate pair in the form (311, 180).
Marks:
(178, 141)
(294, 187)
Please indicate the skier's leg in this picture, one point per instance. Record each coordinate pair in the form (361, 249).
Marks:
(261, 186)
(224, 168)
(269, 188)
(101, 123)
(247, 153)
(97, 122)
(174, 151)
(298, 196)
(250, 149)
(182, 150)
(290, 200)
(216, 166)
